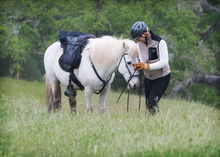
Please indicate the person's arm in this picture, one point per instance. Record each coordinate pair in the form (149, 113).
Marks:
(140, 56)
(163, 51)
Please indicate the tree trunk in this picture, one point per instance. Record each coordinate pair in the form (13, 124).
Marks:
(215, 26)
(209, 80)
(210, 31)
(98, 6)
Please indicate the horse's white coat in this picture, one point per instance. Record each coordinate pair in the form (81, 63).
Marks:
(105, 53)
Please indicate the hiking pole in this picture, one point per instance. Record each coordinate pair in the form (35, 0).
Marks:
(125, 86)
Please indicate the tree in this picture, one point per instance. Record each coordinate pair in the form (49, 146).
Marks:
(191, 29)
(215, 26)
(199, 75)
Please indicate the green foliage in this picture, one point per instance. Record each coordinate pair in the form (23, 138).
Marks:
(27, 28)
(203, 94)
(31, 71)
(182, 129)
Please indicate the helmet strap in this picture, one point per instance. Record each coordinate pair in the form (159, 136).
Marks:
(146, 36)
(146, 40)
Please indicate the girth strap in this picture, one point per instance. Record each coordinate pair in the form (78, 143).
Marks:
(73, 77)
(97, 74)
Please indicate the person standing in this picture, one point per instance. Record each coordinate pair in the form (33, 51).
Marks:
(153, 55)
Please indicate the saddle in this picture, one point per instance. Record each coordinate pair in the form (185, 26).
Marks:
(72, 43)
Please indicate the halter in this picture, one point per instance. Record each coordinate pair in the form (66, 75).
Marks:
(139, 106)
(105, 82)
(126, 65)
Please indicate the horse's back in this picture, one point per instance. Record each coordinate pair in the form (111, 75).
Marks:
(51, 57)
(52, 51)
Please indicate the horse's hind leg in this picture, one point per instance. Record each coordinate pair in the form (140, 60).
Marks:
(49, 95)
(72, 101)
(56, 91)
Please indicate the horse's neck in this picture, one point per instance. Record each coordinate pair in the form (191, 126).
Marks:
(106, 56)
(108, 71)
(106, 68)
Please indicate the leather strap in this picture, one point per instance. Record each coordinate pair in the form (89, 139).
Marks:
(97, 74)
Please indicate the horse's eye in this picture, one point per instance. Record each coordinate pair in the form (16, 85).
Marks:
(129, 63)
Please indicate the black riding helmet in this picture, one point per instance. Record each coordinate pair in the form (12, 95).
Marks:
(138, 29)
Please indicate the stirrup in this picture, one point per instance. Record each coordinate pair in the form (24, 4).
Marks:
(70, 91)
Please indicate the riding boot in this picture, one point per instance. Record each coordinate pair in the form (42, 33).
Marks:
(70, 91)
(151, 111)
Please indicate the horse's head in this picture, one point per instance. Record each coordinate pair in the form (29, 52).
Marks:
(128, 58)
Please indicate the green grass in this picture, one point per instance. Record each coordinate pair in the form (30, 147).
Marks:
(182, 129)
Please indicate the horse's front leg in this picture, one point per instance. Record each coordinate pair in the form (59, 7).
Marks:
(88, 96)
(72, 101)
(103, 96)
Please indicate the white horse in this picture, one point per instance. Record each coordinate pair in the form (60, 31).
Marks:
(106, 54)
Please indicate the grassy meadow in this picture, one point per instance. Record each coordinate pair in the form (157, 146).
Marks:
(182, 128)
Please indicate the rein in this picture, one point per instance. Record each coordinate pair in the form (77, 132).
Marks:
(105, 82)
(126, 86)
(139, 105)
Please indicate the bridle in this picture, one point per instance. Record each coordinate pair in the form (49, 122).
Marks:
(126, 65)
(131, 76)
(105, 82)
(139, 106)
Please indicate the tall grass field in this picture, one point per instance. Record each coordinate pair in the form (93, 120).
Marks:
(182, 128)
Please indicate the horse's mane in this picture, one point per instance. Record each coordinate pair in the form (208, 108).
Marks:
(108, 50)
(132, 47)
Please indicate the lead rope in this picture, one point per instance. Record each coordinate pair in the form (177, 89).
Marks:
(139, 107)
(128, 101)
(125, 87)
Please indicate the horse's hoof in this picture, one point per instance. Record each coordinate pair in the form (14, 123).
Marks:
(73, 111)
(89, 109)
(102, 110)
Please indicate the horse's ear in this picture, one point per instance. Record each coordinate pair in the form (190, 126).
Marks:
(125, 47)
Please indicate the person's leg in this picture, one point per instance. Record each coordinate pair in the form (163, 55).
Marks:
(158, 88)
(147, 88)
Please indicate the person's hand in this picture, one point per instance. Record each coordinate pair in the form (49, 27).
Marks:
(141, 66)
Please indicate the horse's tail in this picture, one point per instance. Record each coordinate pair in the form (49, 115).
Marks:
(49, 95)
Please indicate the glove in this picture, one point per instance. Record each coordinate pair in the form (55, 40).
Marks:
(141, 66)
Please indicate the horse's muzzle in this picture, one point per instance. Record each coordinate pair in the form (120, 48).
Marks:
(133, 87)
